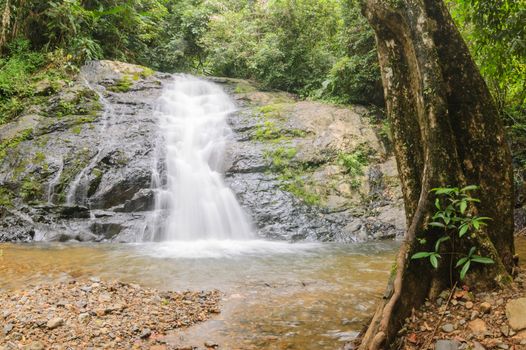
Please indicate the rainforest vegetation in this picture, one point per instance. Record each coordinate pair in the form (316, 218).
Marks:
(318, 49)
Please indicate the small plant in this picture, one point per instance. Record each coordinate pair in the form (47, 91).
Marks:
(453, 217)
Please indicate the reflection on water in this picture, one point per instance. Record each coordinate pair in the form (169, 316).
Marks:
(277, 295)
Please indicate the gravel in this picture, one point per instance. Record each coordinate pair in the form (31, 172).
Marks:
(83, 314)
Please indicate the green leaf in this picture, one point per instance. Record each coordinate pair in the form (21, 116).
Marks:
(440, 240)
(437, 224)
(463, 229)
(476, 224)
(463, 206)
(461, 261)
(482, 259)
(469, 188)
(437, 203)
(434, 261)
(471, 251)
(465, 269)
(469, 199)
(421, 255)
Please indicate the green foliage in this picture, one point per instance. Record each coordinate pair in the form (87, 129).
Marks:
(314, 48)
(494, 31)
(456, 221)
(353, 162)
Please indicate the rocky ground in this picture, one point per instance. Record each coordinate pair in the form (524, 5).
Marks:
(94, 314)
(465, 319)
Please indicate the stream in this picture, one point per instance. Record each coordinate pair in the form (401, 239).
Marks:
(276, 295)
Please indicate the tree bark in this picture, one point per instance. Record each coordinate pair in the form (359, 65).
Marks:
(446, 132)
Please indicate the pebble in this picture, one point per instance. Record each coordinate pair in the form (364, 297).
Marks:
(84, 317)
(446, 345)
(478, 346)
(485, 307)
(211, 344)
(448, 328)
(477, 326)
(8, 328)
(122, 312)
(146, 333)
(35, 346)
(54, 323)
(469, 305)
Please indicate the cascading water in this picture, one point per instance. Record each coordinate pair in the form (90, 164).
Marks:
(193, 203)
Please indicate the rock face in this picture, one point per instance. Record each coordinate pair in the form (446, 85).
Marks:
(309, 170)
(80, 166)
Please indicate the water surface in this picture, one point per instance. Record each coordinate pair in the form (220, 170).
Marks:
(277, 295)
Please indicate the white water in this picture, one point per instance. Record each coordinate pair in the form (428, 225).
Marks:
(193, 203)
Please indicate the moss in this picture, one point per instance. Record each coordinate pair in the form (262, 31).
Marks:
(295, 184)
(267, 131)
(14, 142)
(76, 129)
(64, 108)
(122, 85)
(146, 72)
(291, 175)
(6, 198)
(39, 158)
(31, 189)
(280, 158)
(243, 88)
(274, 110)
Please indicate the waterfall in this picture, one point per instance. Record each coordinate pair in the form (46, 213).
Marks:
(192, 200)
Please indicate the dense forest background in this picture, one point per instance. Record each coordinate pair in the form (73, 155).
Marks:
(318, 49)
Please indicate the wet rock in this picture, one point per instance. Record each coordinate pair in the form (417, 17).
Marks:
(516, 313)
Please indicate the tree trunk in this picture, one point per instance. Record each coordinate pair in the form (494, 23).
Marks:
(446, 132)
